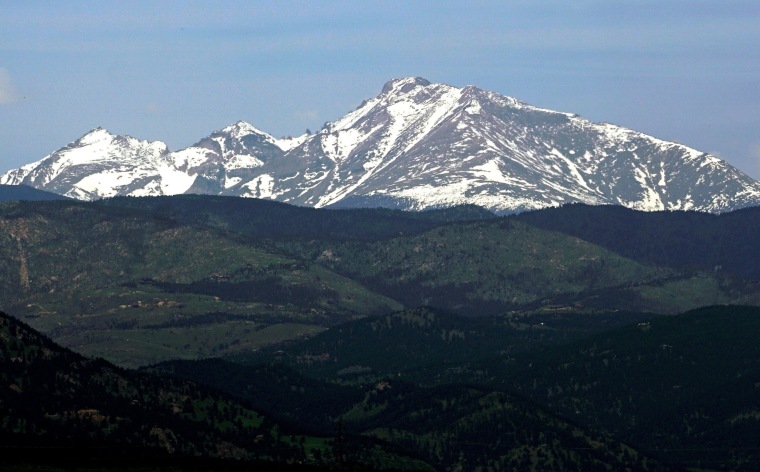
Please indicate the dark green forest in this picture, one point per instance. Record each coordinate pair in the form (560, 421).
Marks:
(250, 333)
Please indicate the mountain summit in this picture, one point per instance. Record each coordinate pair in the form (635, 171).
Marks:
(416, 145)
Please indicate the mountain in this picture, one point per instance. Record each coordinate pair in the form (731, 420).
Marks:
(416, 145)
(100, 164)
(419, 145)
(267, 219)
(227, 158)
(63, 411)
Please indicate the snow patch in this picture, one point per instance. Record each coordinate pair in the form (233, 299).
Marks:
(473, 108)
(242, 161)
(572, 168)
(286, 144)
(491, 172)
(261, 187)
(650, 200)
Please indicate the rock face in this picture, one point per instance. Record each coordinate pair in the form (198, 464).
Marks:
(416, 145)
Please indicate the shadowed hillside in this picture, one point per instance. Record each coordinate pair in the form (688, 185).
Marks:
(25, 192)
(683, 240)
(56, 397)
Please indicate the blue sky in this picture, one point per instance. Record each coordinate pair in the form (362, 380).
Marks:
(687, 71)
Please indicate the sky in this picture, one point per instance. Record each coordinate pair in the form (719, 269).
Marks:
(175, 71)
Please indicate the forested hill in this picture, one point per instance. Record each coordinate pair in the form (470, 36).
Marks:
(90, 414)
(25, 192)
(679, 239)
(140, 280)
(683, 388)
(261, 218)
(57, 398)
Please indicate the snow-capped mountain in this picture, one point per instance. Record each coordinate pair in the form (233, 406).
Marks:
(100, 164)
(225, 158)
(416, 145)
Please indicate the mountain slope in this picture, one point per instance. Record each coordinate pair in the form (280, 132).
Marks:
(416, 145)
(267, 219)
(683, 387)
(494, 266)
(52, 397)
(55, 398)
(684, 240)
(198, 276)
(137, 288)
(425, 346)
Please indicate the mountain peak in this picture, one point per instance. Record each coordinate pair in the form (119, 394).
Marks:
(95, 135)
(99, 130)
(404, 84)
(241, 128)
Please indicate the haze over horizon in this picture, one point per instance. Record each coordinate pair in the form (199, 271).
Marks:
(684, 71)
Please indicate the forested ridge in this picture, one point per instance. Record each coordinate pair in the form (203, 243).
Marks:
(575, 338)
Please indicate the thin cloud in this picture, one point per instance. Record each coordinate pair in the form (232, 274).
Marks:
(153, 108)
(7, 91)
(307, 114)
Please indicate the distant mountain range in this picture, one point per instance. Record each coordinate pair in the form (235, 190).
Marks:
(416, 145)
